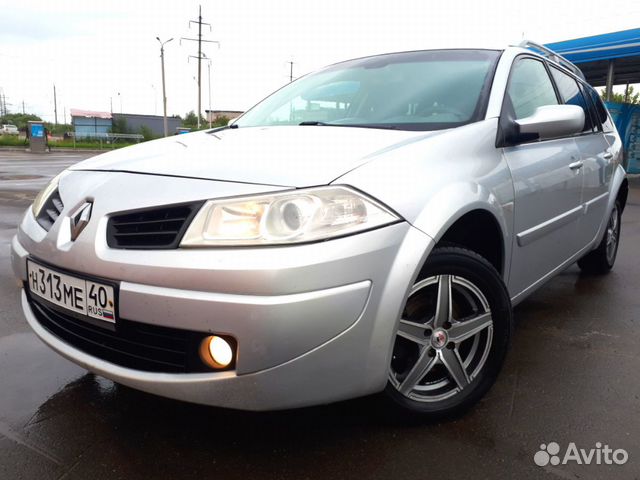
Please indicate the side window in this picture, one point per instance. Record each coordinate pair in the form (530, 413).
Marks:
(530, 87)
(601, 111)
(571, 95)
(592, 107)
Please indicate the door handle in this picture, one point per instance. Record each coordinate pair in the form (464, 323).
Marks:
(576, 165)
(608, 156)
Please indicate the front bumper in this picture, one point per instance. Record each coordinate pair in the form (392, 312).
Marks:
(314, 323)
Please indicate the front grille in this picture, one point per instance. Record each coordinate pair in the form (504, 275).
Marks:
(50, 211)
(131, 344)
(154, 228)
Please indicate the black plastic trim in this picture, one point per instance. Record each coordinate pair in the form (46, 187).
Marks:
(134, 345)
(168, 235)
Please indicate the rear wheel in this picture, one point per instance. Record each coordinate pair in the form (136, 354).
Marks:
(453, 335)
(601, 259)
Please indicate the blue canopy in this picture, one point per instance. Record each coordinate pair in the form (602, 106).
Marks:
(600, 47)
(597, 54)
(613, 59)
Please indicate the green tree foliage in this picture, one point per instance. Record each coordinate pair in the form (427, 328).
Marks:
(221, 121)
(119, 125)
(190, 120)
(20, 120)
(146, 133)
(631, 96)
(59, 129)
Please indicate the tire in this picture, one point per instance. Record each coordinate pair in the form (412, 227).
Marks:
(602, 259)
(430, 338)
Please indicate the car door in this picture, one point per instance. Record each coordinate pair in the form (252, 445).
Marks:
(547, 183)
(595, 157)
(599, 166)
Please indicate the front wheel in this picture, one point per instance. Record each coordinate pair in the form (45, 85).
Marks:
(452, 337)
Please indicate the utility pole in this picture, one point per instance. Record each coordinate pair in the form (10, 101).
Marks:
(23, 107)
(210, 112)
(290, 71)
(164, 91)
(55, 104)
(200, 56)
(3, 104)
(626, 94)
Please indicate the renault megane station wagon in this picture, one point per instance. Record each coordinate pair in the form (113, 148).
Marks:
(365, 229)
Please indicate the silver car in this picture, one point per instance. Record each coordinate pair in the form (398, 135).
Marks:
(365, 229)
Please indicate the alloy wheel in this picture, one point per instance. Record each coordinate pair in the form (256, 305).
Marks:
(612, 234)
(443, 339)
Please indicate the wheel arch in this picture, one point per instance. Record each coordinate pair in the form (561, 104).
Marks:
(476, 220)
(619, 191)
(623, 194)
(479, 231)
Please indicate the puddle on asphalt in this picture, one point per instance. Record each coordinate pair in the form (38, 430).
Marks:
(27, 378)
(21, 177)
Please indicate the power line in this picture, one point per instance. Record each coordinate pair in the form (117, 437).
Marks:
(200, 55)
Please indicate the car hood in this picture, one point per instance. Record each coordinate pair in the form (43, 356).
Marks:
(292, 156)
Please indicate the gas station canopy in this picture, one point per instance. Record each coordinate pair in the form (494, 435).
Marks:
(615, 54)
(607, 60)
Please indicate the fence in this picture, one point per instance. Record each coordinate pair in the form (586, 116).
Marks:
(109, 138)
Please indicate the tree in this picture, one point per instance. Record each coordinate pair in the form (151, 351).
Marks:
(628, 97)
(20, 120)
(146, 133)
(119, 125)
(59, 129)
(191, 121)
(220, 121)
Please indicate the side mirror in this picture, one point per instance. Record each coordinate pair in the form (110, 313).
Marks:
(551, 121)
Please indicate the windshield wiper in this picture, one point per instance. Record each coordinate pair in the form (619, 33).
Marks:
(360, 125)
(382, 126)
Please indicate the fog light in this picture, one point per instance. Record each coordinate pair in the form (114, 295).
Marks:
(216, 352)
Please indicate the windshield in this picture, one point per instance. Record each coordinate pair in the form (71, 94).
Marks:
(425, 90)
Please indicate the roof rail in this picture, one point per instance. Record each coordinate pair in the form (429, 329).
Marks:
(551, 55)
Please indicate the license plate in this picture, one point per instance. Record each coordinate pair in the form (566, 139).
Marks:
(86, 297)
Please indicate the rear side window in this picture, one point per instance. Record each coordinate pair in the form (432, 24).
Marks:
(592, 108)
(530, 87)
(601, 111)
(571, 95)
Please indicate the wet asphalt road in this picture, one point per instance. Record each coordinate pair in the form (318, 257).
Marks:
(571, 376)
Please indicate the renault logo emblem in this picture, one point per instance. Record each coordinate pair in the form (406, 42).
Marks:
(80, 219)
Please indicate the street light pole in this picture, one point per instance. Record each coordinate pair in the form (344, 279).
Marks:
(164, 91)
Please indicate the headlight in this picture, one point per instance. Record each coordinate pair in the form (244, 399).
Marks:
(44, 195)
(289, 217)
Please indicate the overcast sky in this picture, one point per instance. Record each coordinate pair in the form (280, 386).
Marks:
(94, 51)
